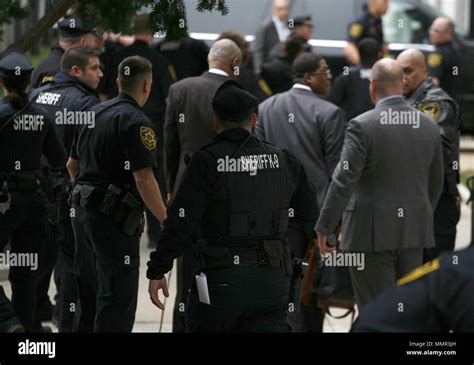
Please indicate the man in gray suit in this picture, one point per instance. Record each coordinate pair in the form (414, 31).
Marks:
(313, 130)
(271, 33)
(188, 128)
(385, 187)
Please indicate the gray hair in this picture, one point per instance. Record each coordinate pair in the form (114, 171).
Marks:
(224, 50)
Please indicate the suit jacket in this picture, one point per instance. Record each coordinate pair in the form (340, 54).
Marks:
(387, 183)
(309, 127)
(188, 122)
(265, 39)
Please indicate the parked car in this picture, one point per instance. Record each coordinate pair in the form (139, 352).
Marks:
(405, 26)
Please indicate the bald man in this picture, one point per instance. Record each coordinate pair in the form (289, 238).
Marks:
(424, 95)
(271, 33)
(443, 63)
(369, 25)
(188, 128)
(385, 187)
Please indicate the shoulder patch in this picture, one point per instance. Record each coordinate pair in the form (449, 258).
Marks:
(356, 30)
(264, 87)
(435, 59)
(431, 109)
(148, 137)
(48, 78)
(420, 272)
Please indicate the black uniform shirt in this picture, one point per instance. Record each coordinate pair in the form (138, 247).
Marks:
(188, 56)
(154, 108)
(61, 98)
(45, 72)
(122, 141)
(351, 92)
(26, 137)
(437, 297)
(365, 26)
(194, 195)
(435, 102)
(441, 64)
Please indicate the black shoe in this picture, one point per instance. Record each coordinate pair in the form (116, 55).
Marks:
(45, 329)
(45, 312)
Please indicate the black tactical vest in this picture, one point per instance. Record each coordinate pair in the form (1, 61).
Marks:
(251, 197)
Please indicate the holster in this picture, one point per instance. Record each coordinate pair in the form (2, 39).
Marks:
(87, 195)
(277, 255)
(134, 222)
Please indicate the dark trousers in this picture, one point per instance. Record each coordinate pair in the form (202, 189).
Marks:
(299, 317)
(65, 265)
(185, 270)
(242, 299)
(115, 257)
(446, 218)
(48, 261)
(382, 270)
(24, 226)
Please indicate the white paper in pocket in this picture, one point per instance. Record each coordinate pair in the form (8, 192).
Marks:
(203, 290)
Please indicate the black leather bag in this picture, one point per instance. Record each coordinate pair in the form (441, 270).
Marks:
(333, 288)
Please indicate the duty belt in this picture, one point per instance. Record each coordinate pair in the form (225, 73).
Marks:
(20, 181)
(271, 253)
(115, 202)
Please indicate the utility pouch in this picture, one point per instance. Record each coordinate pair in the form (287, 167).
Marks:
(132, 223)
(75, 195)
(87, 195)
(110, 200)
(273, 252)
(26, 182)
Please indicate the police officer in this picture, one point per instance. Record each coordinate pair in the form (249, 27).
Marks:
(237, 194)
(114, 165)
(350, 90)
(187, 55)
(424, 95)
(369, 25)
(301, 29)
(443, 61)
(25, 134)
(72, 33)
(436, 297)
(155, 106)
(66, 100)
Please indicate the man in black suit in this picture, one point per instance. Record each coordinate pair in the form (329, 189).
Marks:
(271, 33)
(188, 128)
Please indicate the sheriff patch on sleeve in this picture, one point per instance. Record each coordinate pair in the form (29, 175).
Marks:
(431, 109)
(356, 30)
(435, 59)
(148, 138)
(420, 272)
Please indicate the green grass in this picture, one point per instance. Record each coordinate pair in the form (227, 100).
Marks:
(464, 175)
(42, 54)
